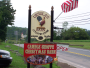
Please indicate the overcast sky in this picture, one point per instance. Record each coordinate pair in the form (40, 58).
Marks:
(81, 18)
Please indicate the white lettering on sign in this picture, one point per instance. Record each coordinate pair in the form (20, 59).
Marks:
(40, 13)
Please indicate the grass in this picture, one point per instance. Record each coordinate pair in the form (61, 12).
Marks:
(19, 63)
(71, 40)
(18, 60)
(16, 42)
(86, 43)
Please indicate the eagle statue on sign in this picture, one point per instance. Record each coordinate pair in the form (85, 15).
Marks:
(41, 20)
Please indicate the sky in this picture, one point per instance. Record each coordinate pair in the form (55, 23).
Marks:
(78, 17)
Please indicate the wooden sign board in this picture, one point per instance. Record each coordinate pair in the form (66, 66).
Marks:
(39, 49)
(40, 25)
(39, 54)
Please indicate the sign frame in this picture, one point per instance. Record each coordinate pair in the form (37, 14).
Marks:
(41, 25)
(37, 48)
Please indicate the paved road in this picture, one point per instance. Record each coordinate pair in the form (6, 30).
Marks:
(79, 58)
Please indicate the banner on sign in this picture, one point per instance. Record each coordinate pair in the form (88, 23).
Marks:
(62, 47)
(38, 48)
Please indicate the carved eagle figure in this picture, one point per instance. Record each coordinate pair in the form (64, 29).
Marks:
(41, 20)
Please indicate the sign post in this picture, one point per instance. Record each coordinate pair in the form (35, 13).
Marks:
(29, 30)
(51, 40)
(40, 26)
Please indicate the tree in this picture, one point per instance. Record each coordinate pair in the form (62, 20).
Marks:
(55, 37)
(6, 17)
(11, 32)
(75, 33)
(88, 32)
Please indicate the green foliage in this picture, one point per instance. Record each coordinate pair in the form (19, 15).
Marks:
(11, 32)
(74, 33)
(6, 17)
(88, 32)
(55, 37)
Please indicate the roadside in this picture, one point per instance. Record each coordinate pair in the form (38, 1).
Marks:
(18, 59)
(83, 44)
(60, 64)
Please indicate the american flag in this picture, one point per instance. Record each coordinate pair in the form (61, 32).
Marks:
(69, 5)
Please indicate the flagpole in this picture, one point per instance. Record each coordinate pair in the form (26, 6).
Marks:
(60, 13)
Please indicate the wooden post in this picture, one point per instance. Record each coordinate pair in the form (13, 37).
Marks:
(51, 40)
(52, 13)
(29, 30)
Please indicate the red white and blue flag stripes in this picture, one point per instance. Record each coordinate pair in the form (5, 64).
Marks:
(69, 5)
